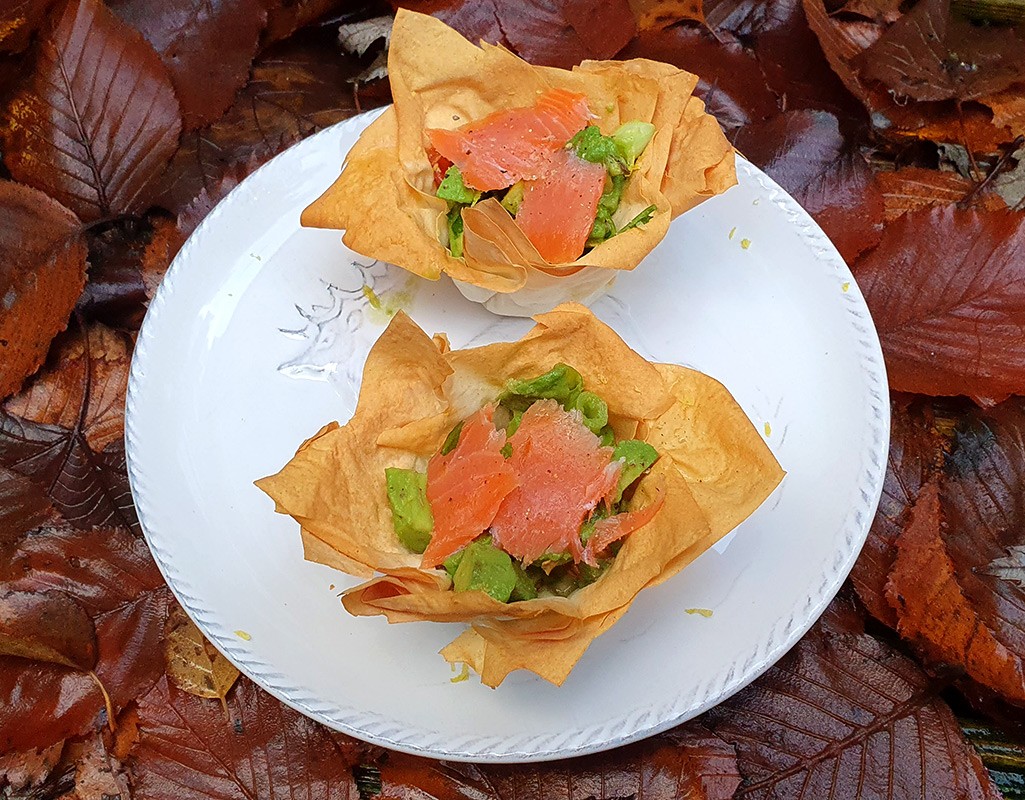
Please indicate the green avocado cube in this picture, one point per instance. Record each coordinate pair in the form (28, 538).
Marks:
(410, 511)
(487, 569)
(637, 457)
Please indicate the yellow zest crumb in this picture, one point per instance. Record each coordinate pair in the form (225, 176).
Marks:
(705, 612)
(462, 676)
(846, 287)
(243, 636)
(756, 201)
(372, 298)
(768, 429)
(745, 243)
(733, 232)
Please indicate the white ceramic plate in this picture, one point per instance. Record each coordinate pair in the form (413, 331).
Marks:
(257, 337)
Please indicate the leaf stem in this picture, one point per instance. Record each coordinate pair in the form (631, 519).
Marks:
(966, 201)
(106, 701)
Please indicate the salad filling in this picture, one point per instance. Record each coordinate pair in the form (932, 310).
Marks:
(557, 175)
(529, 497)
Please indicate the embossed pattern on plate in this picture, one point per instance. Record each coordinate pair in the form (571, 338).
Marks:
(257, 337)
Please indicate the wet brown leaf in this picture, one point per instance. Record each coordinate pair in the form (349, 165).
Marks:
(297, 88)
(1008, 108)
(929, 54)
(161, 250)
(42, 272)
(791, 60)
(875, 10)
(730, 80)
(85, 385)
(934, 612)
(805, 153)
(688, 762)
(207, 46)
(970, 124)
(65, 431)
(58, 134)
(916, 455)
(749, 18)
(843, 715)
(951, 319)
(661, 14)
(958, 584)
(19, 19)
(915, 188)
(188, 750)
(98, 774)
(26, 770)
(551, 32)
(46, 626)
(285, 17)
(116, 294)
(111, 574)
(194, 664)
(43, 704)
(23, 506)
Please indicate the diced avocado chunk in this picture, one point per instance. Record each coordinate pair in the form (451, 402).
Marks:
(410, 511)
(487, 569)
(631, 138)
(637, 456)
(513, 199)
(594, 411)
(525, 589)
(562, 383)
(454, 190)
(451, 564)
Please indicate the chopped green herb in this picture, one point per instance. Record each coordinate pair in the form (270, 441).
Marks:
(514, 423)
(454, 190)
(607, 436)
(455, 231)
(590, 145)
(372, 298)
(452, 439)
(587, 529)
(524, 588)
(506, 450)
(604, 227)
(642, 218)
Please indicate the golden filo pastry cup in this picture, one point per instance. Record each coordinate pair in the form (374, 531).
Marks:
(384, 198)
(714, 470)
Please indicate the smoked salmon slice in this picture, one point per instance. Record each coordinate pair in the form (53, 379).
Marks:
(466, 486)
(513, 144)
(563, 472)
(558, 209)
(612, 529)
